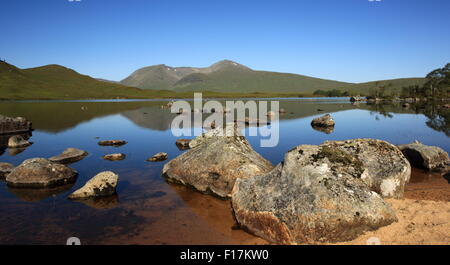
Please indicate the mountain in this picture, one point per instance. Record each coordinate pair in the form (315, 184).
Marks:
(58, 82)
(223, 76)
(231, 77)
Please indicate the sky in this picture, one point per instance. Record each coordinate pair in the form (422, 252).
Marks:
(345, 40)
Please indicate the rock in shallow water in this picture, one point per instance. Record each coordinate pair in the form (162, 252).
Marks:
(103, 184)
(424, 156)
(14, 125)
(5, 169)
(182, 144)
(40, 173)
(114, 157)
(323, 121)
(214, 162)
(158, 157)
(17, 141)
(306, 200)
(70, 155)
(112, 143)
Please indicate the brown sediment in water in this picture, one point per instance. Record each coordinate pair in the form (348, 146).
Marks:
(195, 219)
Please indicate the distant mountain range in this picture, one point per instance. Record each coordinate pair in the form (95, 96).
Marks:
(229, 76)
(225, 78)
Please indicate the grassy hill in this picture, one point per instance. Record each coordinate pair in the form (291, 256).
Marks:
(58, 82)
(231, 77)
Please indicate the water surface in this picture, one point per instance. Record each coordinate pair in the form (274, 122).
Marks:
(147, 210)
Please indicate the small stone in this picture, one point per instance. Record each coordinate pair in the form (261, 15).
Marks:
(112, 143)
(158, 157)
(323, 121)
(183, 144)
(70, 155)
(5, 169)
(114, 157)
(103, 184)
(17, 141)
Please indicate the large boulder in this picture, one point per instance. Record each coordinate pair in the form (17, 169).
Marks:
(103, 184)
(214, 162)
(379, 164)
(307, 199)
(5, 169)
(424, 156)
(17, 141)
(70, 155)
(40, 173)
(323, 121)
(14, 125)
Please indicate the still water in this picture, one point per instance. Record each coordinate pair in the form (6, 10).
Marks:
(146, 209)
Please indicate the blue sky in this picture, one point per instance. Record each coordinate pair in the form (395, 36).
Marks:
(347, 40)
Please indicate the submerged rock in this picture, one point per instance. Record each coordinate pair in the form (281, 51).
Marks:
(305, 199)
(40, 173)
(5, 169)
(112, 143)
(70, 155)
(103, 184)
(214, 162)
(14, 125)
(114, 157)
(158, 157)
(183, 144)
(323, 121)
(424, 156)
(17, 141)
(379, 164)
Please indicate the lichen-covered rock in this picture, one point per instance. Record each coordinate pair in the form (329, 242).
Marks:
(323, 121)
(14, 125)
(306, 200)
(161, 156)
(5, 169)
(17, 141)
(112, 143)
(70, 155)
(379, 164)
(214, 162)
(114, 157)
(424, 156)
(40, 173)
(103, 184)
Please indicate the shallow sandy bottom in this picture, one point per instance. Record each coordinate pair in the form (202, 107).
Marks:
(420, 222)
(424, 214)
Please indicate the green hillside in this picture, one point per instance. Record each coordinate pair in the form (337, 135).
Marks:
(393, 85)
(58, 82)
(231, 77)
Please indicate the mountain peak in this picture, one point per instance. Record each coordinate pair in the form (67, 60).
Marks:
(226, 64)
